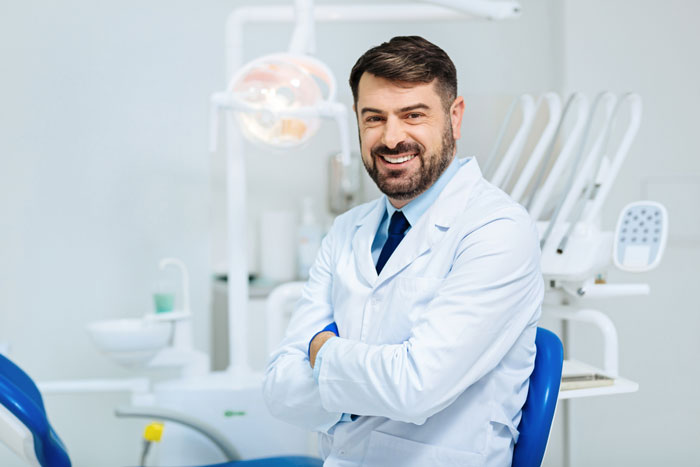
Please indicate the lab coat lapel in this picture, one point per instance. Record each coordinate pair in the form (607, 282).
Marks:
(362, 242)
(436, 221)
(417, 241)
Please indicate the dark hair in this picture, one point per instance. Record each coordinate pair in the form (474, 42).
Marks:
(410, 59)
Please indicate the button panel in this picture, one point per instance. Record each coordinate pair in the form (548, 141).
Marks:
(640, 236)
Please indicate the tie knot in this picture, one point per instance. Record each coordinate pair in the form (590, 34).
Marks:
(398, 224)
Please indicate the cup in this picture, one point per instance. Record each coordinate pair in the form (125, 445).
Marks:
(164, 297)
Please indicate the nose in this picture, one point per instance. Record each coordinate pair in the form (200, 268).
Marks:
(394, 133)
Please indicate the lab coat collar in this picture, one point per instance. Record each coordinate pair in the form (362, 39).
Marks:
(432, 226)
(366, 229)
(453, 199)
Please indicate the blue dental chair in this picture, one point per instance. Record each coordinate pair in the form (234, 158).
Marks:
(538, 411)
(28, 432)
(23, 416)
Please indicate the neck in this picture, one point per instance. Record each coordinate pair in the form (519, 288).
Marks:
(399, 203)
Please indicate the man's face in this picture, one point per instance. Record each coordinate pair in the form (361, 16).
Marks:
(407, 138)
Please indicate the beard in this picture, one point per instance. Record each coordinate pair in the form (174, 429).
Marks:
(401, 185)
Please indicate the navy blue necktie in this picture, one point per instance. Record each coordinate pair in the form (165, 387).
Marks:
(397, 229)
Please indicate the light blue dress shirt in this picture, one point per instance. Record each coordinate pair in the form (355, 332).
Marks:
(413, 212)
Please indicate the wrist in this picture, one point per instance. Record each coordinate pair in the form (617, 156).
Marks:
(317, 343)
(330, 328)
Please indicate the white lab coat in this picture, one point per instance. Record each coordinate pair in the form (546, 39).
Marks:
(434, 353)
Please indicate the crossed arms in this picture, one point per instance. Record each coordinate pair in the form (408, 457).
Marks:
(493, 290)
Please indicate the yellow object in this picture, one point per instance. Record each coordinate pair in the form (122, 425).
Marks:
(153, 431)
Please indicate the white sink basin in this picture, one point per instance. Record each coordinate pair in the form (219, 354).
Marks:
(131, 341)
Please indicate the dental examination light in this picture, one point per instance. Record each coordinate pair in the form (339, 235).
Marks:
(275, 101)
(279, 99)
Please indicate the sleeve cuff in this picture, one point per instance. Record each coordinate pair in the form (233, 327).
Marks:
(319, 359)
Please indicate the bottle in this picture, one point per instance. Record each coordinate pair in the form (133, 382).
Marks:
(308, 239)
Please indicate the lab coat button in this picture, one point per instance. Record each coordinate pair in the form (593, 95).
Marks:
(341, 452)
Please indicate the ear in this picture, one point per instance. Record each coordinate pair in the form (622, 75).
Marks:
(456, 114)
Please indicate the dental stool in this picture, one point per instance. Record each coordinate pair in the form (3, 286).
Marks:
(25, 428)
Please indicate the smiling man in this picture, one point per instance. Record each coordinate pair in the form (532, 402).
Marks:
(394, 136)
(414, 338)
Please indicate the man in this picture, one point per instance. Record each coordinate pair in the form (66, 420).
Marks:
(434, 290)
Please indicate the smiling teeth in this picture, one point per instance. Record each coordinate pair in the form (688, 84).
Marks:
(398, 160)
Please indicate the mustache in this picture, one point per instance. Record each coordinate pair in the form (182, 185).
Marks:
(402, 147)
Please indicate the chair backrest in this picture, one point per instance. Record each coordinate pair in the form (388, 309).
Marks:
(24, 426)
(542, 395)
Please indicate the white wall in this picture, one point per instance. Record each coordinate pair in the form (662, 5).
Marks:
(103, 170)
(649, 47)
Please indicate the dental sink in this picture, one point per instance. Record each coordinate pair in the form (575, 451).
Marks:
(131, 342)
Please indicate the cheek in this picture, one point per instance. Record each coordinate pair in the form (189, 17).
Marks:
(425, 137)
(368, 139)
(366, 157)
(364, 148)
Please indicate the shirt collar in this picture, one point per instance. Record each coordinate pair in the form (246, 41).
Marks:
(416, 207)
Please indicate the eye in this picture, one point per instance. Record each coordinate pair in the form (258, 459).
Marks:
(374, 119)
(414, 115)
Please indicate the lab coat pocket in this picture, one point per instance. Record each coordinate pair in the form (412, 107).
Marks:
(408, 298)
(502, 424)
(384, 449)
(419, 290)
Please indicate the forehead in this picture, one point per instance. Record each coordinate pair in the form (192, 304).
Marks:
(384, 94)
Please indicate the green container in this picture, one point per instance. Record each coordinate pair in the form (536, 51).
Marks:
(164, 302)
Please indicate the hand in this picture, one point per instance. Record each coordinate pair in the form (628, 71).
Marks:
(317, 343)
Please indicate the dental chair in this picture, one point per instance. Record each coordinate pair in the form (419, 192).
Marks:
(538, 411)
(26, 430)
(25, 427)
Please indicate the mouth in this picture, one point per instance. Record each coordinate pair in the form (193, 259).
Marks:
(400, 159)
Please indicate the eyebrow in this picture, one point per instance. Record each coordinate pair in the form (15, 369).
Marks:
(414, 107)
(403, 109)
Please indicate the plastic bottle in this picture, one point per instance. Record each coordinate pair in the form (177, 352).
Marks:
(308, 239)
